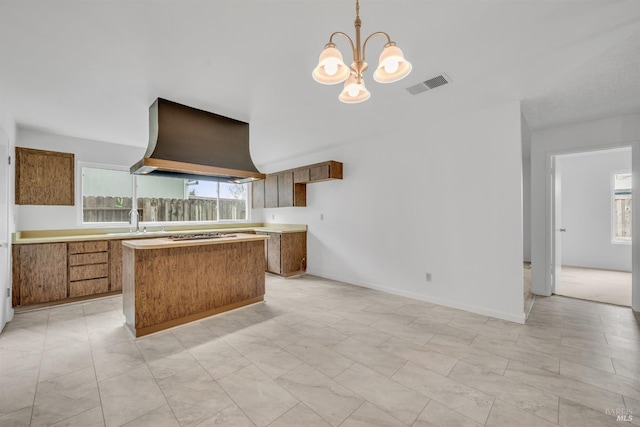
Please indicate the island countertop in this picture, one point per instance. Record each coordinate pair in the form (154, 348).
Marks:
(165, 242)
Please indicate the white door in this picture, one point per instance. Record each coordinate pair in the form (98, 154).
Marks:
(556, 227)
(5, 302)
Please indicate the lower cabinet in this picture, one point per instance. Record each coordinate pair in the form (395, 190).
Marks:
(39, 273)
(286, 253)
(48, 272)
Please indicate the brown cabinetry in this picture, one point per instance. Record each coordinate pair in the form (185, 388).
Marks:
(39, 273)
(271, 191)
(115, 265)
(44, 177)
(88, 268)
(257, 194)
(286, 253)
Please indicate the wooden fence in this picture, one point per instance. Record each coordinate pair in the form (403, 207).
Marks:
(622, 211)
(116, 209)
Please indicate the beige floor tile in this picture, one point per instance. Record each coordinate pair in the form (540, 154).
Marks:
(394, 398)
(461, 350)
(161, 417)
(130, 395)
(64, 360)
(523, 396)
(614, 383)
(325, 360)
(219, 358)
(91, 418)
(505, 415)
(17, 390)
(299, 415)
(116, 359)
(194, 396)
(633, 408)
(64, 396)
(457, 396)
(259, 397)
(19, 418)
(369, 415)
(271, 359)
(511, 350)
(12, 361)
(432, 360)
(573, 414)
(327, 398)
(437, 415)
(585, 394)
(375, 358)
(366, 334)
(231, 416)
(413, 333)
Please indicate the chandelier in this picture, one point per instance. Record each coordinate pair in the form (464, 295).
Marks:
(332, 70)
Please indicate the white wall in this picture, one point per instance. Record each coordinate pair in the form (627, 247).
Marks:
(31, 217)
(443, 198)
(606, 133)
(586, 210)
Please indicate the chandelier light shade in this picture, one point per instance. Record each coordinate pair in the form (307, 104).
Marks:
(354, 91)
(331, 68)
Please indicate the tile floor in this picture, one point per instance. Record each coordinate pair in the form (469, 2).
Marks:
(323, 353)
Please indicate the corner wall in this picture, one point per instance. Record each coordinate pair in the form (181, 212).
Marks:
(443, 198)
(598, 134)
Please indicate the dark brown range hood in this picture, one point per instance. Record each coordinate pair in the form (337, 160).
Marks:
(189, 143)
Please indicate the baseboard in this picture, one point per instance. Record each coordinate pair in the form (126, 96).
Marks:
(439, 301)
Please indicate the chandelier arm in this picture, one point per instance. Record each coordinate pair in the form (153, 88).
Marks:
(377, 33)
(340, 33)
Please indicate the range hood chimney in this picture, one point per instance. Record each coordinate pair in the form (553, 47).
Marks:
(189, 143)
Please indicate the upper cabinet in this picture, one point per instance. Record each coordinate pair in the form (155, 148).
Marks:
(289, 188)
(44, 177)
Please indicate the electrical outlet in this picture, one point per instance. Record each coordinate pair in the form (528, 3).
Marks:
(428, 277)
(273, 216)
(321, 217)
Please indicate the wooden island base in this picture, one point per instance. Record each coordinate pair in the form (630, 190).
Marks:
(167, 283)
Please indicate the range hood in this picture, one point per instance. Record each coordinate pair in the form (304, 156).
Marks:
(185, 142)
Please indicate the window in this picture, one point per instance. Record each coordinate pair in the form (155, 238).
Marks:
(108, 195)
(622, 207)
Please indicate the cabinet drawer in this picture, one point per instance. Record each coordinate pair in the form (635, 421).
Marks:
(90, 258)
(83, 272)
(84, 247)
(88, 287)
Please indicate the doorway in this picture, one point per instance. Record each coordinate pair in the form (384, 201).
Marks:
(591, 216)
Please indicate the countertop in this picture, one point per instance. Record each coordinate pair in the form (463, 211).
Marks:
(83, 234)
(164, 242)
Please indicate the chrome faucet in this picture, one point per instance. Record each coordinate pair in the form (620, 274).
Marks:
(133, 221)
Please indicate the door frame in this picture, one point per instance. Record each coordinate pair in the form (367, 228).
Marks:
(552, 230)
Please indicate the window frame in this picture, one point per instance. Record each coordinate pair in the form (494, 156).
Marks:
(134, 195)
(614, 239)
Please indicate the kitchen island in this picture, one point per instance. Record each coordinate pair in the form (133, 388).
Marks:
(170, 282)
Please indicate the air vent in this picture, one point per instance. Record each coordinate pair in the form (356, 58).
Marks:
(432, 83)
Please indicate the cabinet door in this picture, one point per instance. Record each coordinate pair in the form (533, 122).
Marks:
(285, 189)
(319, 173)
(301, 176)
(42, 272)
(293, 247)
(257, 194)
(44, 177)
(273, 253)
(115, 265)
(271, 191)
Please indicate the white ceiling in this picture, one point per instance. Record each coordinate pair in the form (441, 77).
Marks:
(91, 68)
